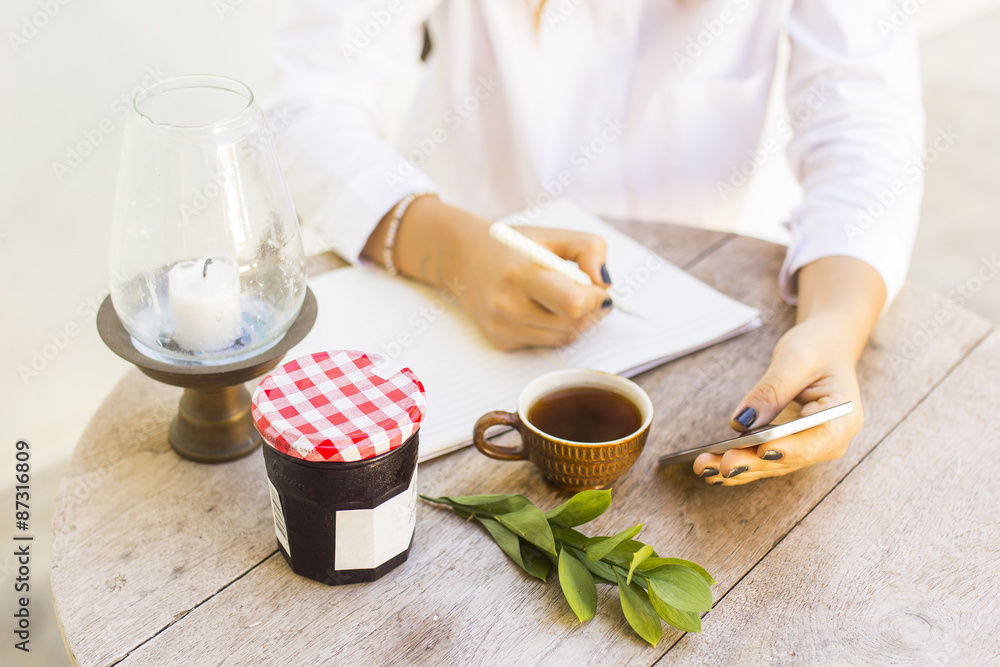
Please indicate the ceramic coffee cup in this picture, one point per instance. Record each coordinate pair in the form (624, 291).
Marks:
(574, 466)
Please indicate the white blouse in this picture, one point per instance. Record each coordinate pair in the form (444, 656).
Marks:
(649, 110)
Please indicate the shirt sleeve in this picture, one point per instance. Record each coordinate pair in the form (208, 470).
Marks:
(854, 105)
(337, 61)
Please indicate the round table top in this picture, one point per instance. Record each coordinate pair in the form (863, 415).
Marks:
(158, 560)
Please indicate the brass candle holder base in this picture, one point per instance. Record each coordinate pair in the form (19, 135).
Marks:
(213, 422)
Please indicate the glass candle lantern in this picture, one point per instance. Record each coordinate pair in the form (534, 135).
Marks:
(207, 265)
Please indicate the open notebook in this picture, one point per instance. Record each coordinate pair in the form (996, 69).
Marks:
(364, 308)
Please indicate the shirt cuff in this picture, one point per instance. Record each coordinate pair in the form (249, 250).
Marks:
(878, 246)
(366, 200)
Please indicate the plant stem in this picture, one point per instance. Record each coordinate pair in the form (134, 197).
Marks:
(560, 543)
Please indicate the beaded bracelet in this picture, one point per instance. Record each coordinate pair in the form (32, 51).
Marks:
(390, 235)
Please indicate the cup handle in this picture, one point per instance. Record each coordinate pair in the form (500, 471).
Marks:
(498, 418)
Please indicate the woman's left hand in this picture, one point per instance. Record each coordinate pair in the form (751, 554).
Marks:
(810, 367)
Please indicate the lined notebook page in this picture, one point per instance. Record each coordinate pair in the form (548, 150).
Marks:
(423, 328)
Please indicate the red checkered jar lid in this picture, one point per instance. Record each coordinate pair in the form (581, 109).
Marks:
(342, 405)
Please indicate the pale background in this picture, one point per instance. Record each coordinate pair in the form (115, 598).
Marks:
(54, 234)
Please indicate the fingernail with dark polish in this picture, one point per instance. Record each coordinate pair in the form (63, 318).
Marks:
(709, 472)
(607, 303)
(605, 276)
(719, 483)
(738, 470)
(747, 417)
(772, 455)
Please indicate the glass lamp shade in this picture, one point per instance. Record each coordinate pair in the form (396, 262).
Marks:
(207, 265)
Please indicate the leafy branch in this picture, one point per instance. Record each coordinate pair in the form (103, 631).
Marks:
(651, 588)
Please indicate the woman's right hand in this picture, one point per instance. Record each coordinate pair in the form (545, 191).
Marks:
(515, 302)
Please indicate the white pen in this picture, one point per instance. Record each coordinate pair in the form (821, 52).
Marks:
(545, 258)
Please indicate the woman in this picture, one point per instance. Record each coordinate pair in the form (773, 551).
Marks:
(636, 110)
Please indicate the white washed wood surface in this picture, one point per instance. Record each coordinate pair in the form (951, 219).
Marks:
(161, 561)
(898, 565)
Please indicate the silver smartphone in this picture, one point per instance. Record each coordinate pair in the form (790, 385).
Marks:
(759, 436)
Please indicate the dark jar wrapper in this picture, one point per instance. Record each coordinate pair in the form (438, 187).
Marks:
(344, 522)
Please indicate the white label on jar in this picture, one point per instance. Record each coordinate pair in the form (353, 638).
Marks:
(279, 518)
(368, 538)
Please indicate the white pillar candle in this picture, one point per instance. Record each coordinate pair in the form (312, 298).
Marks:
(205, 307)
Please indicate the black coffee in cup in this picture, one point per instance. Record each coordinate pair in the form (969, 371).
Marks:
(585, 414)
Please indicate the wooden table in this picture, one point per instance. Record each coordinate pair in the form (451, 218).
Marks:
(889, 554)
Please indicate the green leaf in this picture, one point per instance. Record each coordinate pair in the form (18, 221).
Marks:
(577, 585)
(494, 504)
(528, 557)
(687, 621)
(535, 562)
(653, 563)
(639, 612)
(603, 546)
(597, 568)
(581, 508)
(637, 558)
(681, 587)
(569, 536)
(505, 539)
(530, 523)
(622, 554)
